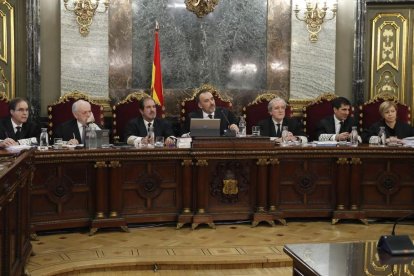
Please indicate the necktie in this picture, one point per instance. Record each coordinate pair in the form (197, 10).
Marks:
(341, 129)
(278, 132)
(210, 116)
(18, 133)
(83, 134)
(149, 126)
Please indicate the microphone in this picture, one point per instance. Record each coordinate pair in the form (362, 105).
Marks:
(228, 132)
(396, 244)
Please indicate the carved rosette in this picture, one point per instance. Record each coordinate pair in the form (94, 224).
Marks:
(305, 182)
(388, 183)
(59, 189)
(149, 185)
(229, 180)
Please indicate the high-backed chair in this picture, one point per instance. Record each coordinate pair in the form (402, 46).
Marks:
(4, 105)
(369, 111)
(315, 111)
(257, 110)
(126, 110)
(61, 111)
(190, 104)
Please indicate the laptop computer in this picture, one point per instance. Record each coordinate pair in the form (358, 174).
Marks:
(204, 127)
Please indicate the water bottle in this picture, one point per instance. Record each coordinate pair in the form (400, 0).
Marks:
(43, 140)
(151, 137)
(354, 136)
(242, 127)
(381, 136)
(91, 137)
(285, 134)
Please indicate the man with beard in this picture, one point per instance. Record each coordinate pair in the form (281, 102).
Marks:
(136, 131)
(208, 110)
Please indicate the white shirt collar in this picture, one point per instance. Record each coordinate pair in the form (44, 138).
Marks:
(146, 122)
(79, 124)
(15, 125)
(281, 122)
(205, 114)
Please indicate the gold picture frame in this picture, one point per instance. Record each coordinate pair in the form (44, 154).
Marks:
(3, 37)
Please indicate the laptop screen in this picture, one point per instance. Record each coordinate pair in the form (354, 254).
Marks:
(204, 127)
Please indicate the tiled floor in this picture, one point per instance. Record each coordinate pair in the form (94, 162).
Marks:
(236, 249)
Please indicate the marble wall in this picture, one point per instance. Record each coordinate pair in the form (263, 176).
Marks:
(222, 48)
(312, 63)
(84, 60)
(244, 48)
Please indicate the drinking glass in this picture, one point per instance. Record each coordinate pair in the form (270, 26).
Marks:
(58, 143)
(159, 142)
(255, 130)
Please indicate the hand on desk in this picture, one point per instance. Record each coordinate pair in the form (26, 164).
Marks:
(169, 141)
(394, 140)
(73, 142)
(291, 137)
(8, 142)
(234, 128)
(343, 136)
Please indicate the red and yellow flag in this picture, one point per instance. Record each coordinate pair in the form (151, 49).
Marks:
(156, 81)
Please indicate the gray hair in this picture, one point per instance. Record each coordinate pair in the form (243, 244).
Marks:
(76, 104)
(273, 101)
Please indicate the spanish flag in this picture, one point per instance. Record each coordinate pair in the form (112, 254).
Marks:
(156, 81)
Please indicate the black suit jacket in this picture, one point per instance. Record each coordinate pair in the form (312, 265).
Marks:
(67, 130)
(401, 130)
(137, 127)
(267, 127)
(226, 118)
(29, 130)
(327, 125)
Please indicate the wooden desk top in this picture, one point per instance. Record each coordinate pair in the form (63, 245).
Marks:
(339, 259)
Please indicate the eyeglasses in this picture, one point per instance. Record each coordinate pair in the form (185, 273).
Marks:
(22, 110)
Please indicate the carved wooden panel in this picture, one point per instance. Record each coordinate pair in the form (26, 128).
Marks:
(388, 185)
(63, 191)
(307, 184)
(231, 188)
(150, 188)
(13, 243)
(15, 246)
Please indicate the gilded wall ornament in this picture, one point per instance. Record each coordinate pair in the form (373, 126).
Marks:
(201, 7)
(314, 16)
(85, 11)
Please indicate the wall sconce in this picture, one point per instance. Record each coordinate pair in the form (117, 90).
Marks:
(85, 11)
(201, 7)
(314, 16)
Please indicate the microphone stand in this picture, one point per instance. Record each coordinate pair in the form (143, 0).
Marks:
(228, 132)
(397, 245)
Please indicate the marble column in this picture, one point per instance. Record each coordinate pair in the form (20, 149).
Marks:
(33, 57)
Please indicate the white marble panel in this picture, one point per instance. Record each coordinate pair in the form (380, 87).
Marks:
(84, 60)
(312, 63)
